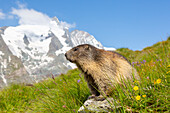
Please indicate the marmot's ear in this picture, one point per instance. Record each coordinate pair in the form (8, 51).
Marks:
(87, 47)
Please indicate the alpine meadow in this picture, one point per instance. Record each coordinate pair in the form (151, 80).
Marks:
(67, 92)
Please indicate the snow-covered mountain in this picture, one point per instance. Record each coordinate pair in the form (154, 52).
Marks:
(30, 53)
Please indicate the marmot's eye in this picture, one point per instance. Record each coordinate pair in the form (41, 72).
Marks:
(75, 49)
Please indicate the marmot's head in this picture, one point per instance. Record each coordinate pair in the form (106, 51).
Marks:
(81, 52)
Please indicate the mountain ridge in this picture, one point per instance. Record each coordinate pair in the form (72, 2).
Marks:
(39, 50)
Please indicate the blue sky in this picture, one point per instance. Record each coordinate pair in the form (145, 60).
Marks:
(134, 24)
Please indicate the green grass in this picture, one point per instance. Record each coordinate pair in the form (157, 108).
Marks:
(62, 94)
(67, 92)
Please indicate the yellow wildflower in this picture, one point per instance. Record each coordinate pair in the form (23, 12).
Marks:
(136, 88)
(143, 96)
(168, 72)
(136, 81)
(168, 65)
(158, 81)
(138, 97)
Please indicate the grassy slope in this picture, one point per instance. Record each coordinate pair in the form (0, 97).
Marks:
(66, 93)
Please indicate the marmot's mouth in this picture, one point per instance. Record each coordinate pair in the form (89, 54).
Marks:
(69, 59)
(67, 56)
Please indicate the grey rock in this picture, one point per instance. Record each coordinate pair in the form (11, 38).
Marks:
(67, 36)
(93, 106)
(2, 29)
(54, 45)
(26, 40)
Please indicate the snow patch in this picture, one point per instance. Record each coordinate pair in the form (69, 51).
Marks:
(71, 65)
(13, 37)
(1, 53)
(109, 49)
(3, 65)
(9, 58)
(2, 75)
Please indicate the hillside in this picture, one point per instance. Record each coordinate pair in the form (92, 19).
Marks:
(67, 92)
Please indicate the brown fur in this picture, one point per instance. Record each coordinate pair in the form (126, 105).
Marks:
(102, 69)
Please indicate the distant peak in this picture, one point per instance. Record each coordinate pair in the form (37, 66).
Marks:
(55, 19)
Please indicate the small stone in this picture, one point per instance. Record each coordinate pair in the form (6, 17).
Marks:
(91, 105)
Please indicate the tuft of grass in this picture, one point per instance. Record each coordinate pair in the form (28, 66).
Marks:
(67, 92)
(151, 94)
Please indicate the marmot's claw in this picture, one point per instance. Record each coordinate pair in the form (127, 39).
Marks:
(91, 96)
(99, 98)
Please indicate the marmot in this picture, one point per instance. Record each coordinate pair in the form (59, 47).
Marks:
(102, 69)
